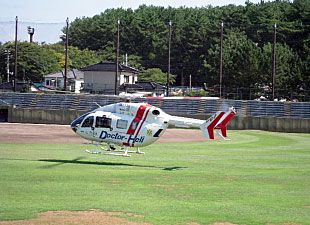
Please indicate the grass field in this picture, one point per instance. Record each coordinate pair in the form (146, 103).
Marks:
(256, 178)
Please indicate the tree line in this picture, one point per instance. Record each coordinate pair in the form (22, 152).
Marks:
(36, 60)
(248, 37)
(195, 50)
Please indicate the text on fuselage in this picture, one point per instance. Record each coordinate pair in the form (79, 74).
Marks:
(131, 138)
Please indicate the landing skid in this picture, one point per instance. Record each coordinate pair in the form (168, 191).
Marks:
(110, 149)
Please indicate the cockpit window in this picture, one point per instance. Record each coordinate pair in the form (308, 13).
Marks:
(88, 122)
(103, 122)
(79, 120)
(121, 124)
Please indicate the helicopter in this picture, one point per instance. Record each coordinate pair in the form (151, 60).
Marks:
(122, 126)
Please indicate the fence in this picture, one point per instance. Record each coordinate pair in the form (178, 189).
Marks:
(190, 106)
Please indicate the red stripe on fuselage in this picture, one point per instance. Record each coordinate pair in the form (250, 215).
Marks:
(147, 112)
(131, 130)
(212, 125)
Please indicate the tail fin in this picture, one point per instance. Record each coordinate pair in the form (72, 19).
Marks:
(208, 127)
(222, 124)
(218, 121)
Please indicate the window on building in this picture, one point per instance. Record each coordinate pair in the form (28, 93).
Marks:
(53, 82)
(73, 86)
(103, 122)
(126, 79)
(121, 124)
(88, 122)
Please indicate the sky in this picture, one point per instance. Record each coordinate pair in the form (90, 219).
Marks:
(48, 16)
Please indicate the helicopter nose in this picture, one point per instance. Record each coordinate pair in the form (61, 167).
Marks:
(73, 127)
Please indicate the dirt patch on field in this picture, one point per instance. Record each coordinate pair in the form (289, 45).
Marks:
(80, 217)
(50, 133)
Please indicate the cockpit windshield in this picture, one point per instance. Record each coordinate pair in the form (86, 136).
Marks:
(78, 121)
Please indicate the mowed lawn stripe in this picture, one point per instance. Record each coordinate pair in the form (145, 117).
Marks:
(256, 178)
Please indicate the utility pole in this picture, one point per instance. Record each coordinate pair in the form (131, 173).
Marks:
(274, 61)
(117, 63)
(190, 83)
(31, 33)
(15, 66)
(169, 46)
(221, 59)
(66, 54)
(7, 52)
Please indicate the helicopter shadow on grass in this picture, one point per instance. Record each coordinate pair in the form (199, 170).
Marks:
(78, 160)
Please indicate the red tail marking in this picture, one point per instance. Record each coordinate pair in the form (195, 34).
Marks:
(223, 124)
(212, 125)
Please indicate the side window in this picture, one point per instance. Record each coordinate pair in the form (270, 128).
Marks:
(88, 122)
(103, 122)
(121, 124)
(134, 125)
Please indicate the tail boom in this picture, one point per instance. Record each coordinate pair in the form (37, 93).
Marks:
(218, 121)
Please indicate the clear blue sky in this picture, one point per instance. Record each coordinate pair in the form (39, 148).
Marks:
(48, 16)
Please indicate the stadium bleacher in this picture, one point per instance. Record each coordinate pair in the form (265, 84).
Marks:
(21, 100)
(169, 105)
(88, 102)
(155, 102)
(54, 101)
(266, 109)
(211, 106)
(185, 106)
(300, 109)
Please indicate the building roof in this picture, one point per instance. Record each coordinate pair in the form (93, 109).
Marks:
(108, 66)
(148, 85)
(143, 85)
(126, 86)
(72, 74)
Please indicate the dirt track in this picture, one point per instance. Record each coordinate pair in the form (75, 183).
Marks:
(50, 133)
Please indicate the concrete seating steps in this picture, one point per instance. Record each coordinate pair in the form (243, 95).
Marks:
(172, 106)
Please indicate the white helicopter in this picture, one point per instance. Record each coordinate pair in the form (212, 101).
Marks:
(125, 125)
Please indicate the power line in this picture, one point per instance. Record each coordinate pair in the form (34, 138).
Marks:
(31, 22)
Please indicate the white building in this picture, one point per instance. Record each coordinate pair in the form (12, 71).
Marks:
(100, 77)
(75, 80)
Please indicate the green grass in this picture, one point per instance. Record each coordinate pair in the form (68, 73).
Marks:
(256, 178)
